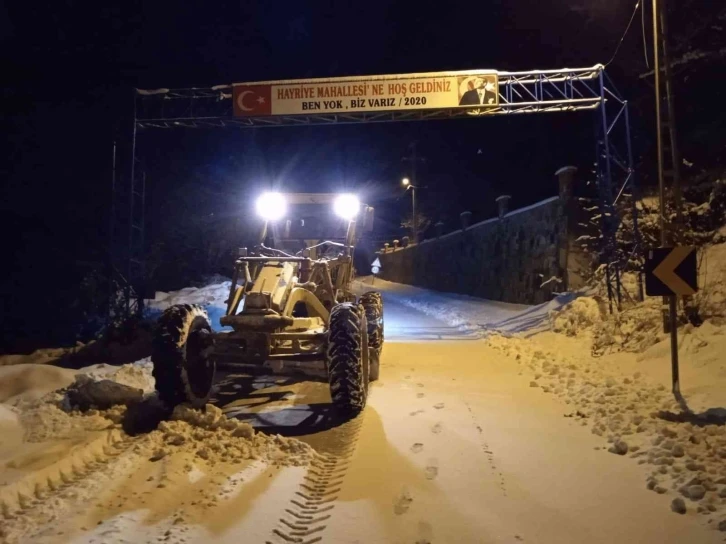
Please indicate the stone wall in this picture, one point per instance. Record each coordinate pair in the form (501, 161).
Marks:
(520, 256)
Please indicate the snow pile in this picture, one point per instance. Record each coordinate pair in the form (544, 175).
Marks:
(209, 434)
(212, 297)
(214, 438)
(711, 297)
(633, 329)
(47, 420)
(27, 382)
(581, 313)
(39, 356)
(137, 375)
(639, 325)
(686, 454)
(46, 416)
(214, 294)
(48, 445)
(24, 383)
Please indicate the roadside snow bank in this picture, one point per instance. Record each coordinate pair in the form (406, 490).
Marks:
(133, 340)
(31, 381)
(638, 325)
(636, 415)
(39, 356)
(582, 313)
(634, 328)
(620, 391)
(48, 420)
(210, 295)
(48, 444)
(711, 298)
(28, 382)
(55, 416)
(38, 395)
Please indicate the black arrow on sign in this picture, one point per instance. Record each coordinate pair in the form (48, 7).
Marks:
(671, 271)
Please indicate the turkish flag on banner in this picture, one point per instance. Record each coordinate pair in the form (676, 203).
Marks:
(252, 100)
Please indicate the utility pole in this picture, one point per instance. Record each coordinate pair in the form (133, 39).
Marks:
(112, 238)
(661, 52)
(413, 193)
(413, 214)
(671, 123)
(113, 199)
(659, 132)
(668, 232)
(414, 158)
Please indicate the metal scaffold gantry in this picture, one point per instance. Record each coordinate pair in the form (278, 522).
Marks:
(535, 91)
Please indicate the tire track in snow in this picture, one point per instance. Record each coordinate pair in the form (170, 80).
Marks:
(30, 505)
(305, 515)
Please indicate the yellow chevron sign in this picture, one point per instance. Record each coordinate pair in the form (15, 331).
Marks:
(671, 271)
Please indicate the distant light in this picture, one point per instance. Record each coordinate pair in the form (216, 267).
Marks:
(346, 206)
(271, 206)
(405, 181)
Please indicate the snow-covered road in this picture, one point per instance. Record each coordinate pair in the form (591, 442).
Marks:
(455, 446)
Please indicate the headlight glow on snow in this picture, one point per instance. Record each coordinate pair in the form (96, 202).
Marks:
(346, 206)
(271, 206)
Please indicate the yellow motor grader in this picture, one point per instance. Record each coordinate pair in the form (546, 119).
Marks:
(290, 308)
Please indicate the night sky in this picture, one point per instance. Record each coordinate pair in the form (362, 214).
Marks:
(70, 69)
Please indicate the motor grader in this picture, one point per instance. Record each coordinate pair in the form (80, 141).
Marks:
(290, 309)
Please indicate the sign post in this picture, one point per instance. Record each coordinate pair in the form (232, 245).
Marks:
(672, 272)
(375, 269)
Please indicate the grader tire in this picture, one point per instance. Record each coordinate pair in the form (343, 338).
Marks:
(373, 304)
(183, 368)
(347, 359)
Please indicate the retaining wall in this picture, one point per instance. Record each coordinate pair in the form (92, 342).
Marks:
(520, 256)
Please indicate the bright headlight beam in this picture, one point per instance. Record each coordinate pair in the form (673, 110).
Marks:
(346, 206)
(271, 206)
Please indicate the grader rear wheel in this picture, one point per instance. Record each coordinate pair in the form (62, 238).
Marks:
(373, 304)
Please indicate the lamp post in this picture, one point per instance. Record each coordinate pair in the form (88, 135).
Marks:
(407, 184)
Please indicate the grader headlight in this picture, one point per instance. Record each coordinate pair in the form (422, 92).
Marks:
(346, 206)
(271, 206)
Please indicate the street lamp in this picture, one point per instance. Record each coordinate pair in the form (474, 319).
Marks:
(407, 184)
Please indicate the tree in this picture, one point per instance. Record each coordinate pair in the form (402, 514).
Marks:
(422, 223)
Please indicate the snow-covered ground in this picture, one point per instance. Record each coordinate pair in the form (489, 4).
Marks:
(77, 476)
(486, 426)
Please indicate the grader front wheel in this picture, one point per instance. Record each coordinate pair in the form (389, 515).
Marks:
(183, 369)
(347, 358)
